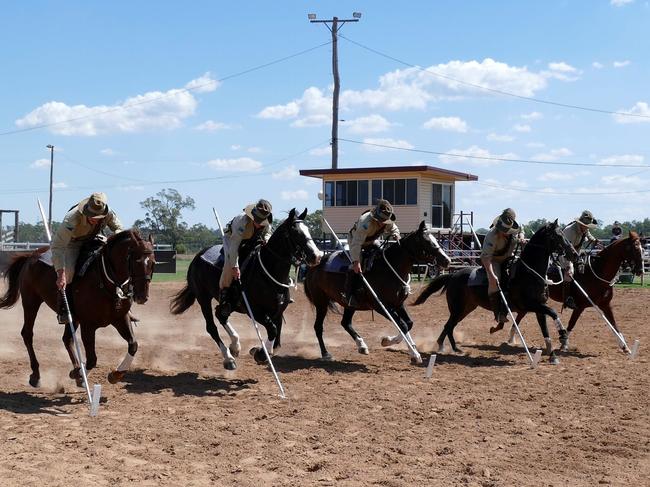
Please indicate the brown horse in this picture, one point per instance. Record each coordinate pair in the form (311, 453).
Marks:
(101, 297)
(598, 281)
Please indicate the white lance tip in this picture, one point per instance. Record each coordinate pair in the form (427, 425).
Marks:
(432, 362)
(635, 349)
(96, 396)
(536, 358)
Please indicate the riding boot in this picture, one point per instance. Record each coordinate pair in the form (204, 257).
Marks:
(496, 304)
(224, 308)
(568, 301)
(62, 312)
(351, 285)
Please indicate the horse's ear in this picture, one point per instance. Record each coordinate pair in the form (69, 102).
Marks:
(150, 238)
(302, 215)
(555, 223)
(292, 215)
(422, 227)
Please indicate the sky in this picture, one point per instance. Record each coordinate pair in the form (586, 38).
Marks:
(226, 101)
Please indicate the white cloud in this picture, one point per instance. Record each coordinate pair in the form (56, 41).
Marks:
(393, 143)
(289, 172)
(212, 126)
(240, 164)
(562, 71)
(624, 181)
(620, 64)
(475, 155)
(521, 128)
(235, 147)
(620, 3)
(553, 155)
(597, 65)
(500, 138)
(107, 152)
(416, 88)
(451, 124)
(623, 159)
(254, 150)
(322, 151)
(150, 111)
(532, 116)
(59, 185)
(369, 124)
(299, 194)
(40, 164)
(562, 176)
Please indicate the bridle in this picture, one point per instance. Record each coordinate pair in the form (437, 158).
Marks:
(124, 290)
(562, 247)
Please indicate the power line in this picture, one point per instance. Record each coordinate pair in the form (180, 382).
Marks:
(495, 90)
(170, 93)
(494, 158)
(551, 192)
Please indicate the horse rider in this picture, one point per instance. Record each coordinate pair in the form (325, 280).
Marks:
(576, 233)
(370, 226)
(254, 223)
(617, 231)
(82, 223)
(499, 245)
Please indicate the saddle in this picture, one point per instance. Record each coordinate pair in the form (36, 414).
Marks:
(478, 276)
(339, 263)
(89, 252)
(215, 257)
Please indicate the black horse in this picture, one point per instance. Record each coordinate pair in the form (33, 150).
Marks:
(265, 280)
(527, 288)
(388, 277)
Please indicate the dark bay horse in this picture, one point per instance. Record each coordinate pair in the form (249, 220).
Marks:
(527, 287)
(265, 280)
(388, 277)
(101, 297)
(598, 280)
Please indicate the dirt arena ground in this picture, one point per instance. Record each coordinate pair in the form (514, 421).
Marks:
(484, 419)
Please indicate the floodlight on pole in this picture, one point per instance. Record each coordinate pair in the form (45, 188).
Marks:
(336, 24)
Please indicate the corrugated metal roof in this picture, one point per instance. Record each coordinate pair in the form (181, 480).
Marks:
(456, 176)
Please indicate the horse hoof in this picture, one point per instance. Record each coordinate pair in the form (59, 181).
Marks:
(34, 381)
(458, 351)
(260, 357)
(229, 365)
(416, 361)
(494, 329)
(385, 341)
(75, 374)
(115, 376)
(79, 381)
(235, 349)
(363, 351)
(511, 343)
(554, 360)
(565, 347)
(327, 357)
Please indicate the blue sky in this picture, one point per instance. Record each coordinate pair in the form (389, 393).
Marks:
(65, 60)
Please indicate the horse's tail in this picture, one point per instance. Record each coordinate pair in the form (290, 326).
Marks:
(183, 299)
(440, 282)
(13, 273)
(310, 295)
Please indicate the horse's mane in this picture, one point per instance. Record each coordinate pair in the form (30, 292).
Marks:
(616, 244)
(119, 237)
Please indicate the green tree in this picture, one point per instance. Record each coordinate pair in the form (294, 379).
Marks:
(532, 226)
(199, 235)
(314, 223)
(163, 216)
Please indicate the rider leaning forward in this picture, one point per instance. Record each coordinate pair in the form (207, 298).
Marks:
(576, 232)
(499, 245)
(370, 226)
(82, 223)
(254, 223)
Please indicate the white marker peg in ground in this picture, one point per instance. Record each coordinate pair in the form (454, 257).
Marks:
(536, 358)
(432, 362)
(96, 396)
(635, 349)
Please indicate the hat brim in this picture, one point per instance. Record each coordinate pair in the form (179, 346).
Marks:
(249, 212)
(509, 230)
(391, 218)
(84, 210)
(588, 225)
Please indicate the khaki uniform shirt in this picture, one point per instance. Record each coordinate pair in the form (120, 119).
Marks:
(573, 234)
(76, 228)
(366, 231)
(498, 247)
(241, 228)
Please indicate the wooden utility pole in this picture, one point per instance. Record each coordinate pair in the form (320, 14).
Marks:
(334, 29)
(49, 215)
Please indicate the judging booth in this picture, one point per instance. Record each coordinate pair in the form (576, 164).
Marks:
(416, 192)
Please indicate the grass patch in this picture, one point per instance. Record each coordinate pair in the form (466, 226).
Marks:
(182, 263)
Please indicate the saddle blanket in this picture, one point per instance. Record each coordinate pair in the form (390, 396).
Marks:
(214, 256)
(46, 258)
(84, 261)
(337, 262)
(478, 277)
